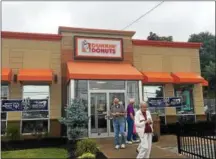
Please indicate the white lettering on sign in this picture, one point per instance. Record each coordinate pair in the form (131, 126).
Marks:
(98, 47)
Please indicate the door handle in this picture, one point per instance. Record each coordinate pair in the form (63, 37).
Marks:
(106, 117)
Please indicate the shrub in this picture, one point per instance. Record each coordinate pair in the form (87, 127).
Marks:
(13, 133)
(76, 119)
(87, 155)
(86, 146)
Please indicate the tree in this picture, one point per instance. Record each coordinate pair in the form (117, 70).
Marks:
(207, 56)
(76, 121)
(154, 36)
(207, 51)
(209, 72)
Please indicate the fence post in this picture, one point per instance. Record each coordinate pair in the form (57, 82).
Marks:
(178, 134)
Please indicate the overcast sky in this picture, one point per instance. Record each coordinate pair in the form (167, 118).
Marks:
(179, 19)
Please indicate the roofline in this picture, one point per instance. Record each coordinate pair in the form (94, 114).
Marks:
(57, 37)
(93, 30)
(30, 36)
(139, 42)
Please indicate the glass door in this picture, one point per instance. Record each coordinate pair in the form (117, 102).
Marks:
(98, 114)
(121, 97)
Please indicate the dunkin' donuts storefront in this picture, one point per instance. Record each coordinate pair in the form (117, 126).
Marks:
(96, 65)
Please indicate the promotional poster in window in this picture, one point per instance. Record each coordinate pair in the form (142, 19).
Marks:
(163, 102)
(23, 104)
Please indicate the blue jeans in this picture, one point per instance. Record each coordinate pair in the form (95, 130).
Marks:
(119, 127)
(130, 129)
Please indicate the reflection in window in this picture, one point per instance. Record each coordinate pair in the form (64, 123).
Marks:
(4, 95)
(34, 126)
(163, 120)
(150, 91)
(186, 93)
(133, 92)
(81, 92)
(186, 119)
(111, 85)
(35, 120)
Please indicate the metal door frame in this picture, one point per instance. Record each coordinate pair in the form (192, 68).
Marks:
(107, 92)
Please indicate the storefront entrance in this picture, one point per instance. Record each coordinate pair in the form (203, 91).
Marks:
(100, 122)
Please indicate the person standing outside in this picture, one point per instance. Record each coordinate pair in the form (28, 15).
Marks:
(130, 122)
(144, 128)
(118, 114)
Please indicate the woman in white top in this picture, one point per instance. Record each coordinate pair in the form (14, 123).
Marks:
(144, 128)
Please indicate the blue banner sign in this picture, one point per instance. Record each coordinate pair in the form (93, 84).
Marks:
(174, 101)
(36, 104)
(156, 102)
(11, 105)
(23, 104)
(162, 102)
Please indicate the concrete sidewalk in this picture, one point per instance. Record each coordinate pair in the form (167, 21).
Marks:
(159, 149)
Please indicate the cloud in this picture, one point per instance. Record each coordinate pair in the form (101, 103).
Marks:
(179, 19)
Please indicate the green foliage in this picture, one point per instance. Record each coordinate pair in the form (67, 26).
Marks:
(88, 155)
(154, 36)
(13, 133)
(76, 119)
(207, 56)
(209, 70)
(86, 146)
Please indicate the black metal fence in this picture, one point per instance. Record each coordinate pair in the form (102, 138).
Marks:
(197, 140)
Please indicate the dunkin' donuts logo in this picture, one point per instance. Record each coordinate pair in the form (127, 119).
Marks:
(99, 48)
(85, 46)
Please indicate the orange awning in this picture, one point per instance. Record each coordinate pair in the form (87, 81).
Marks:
(187, 77)
(205, 83)
(104, 71)
(35, 75)
(157, 77)
(6, 74)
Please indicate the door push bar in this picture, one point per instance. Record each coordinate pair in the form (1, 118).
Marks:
(108, 117)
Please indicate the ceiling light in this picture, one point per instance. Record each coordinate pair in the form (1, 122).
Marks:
(101, 82)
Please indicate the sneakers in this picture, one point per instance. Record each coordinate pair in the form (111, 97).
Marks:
(129, 142)
(117, 147)
(123, 146)
(136, 141)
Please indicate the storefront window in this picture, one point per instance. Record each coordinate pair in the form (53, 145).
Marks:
(152, 91)
(35, 119)
(107, 85)
(186, 93)
(4, 95)
(133, 92)
(81, 92)
(186, 119)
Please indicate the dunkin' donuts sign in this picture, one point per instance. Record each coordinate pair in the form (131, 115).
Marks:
(91, 47)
